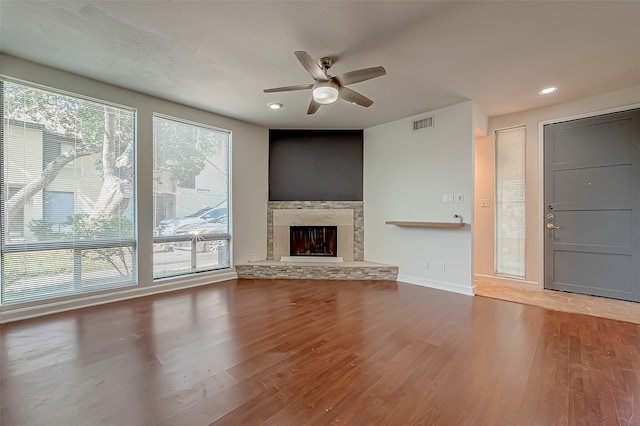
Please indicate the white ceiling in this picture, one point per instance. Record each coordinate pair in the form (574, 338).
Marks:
(219, 56)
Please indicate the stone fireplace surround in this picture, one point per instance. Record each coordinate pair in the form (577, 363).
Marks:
(284, 219)
(348, 216)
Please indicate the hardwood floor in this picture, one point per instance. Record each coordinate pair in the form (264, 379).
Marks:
(296, 352)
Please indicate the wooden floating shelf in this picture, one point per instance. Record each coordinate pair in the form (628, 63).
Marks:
(426, 224)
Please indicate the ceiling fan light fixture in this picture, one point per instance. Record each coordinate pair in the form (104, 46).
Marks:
(325, 93)
(327, 89)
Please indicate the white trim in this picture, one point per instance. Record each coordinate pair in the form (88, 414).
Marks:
(508, 128)
(541, 125)
(454, 288)
(9, 315)
(541, 218)
(515, 282)
(495, 193)
(587, 115)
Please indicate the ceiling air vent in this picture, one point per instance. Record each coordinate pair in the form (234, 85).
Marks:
(422, 124)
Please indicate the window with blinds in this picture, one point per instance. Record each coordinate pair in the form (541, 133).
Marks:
(191, 197)
(510, 202)
(67, 194)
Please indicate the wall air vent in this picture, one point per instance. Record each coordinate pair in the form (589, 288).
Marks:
(424, 123)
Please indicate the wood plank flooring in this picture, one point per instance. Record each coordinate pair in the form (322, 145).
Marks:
(296, 352)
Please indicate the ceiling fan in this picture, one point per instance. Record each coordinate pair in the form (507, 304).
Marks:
(327, 89)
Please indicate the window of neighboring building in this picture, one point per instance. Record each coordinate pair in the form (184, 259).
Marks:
(78, 232)
(58, 209)
(52, 148)
(164, 207)
(510, 202)
(15, 223)
(191, 197)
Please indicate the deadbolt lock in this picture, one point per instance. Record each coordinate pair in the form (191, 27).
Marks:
(550, 216)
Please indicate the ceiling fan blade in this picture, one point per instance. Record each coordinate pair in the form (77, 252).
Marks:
(310, 65)
(354, 97)
(313, 107)
(360, 75)
(290, 88)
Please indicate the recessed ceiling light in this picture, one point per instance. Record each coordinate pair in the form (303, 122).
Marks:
(548, 90)
(275, 106)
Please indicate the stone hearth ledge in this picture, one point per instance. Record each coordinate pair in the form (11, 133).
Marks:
(353, 270)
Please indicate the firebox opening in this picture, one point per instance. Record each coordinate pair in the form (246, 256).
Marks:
(313, 241)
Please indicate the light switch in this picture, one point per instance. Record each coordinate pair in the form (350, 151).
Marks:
(485, 202)
(447, 198)
(459, 198)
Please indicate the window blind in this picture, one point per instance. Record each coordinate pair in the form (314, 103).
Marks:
(191, 197)
(68, 186)
(510, 232)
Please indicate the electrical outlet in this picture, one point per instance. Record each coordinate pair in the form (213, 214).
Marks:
(254, 257)
(442, 267)
(426, 265)
(485, 202)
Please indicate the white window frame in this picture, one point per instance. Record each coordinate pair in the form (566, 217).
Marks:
(185, 238)
(78, 246)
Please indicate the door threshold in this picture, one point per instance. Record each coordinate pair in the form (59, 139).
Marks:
(561, 301)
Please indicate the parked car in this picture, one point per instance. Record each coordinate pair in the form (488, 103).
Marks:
(168, 227)
(217, 226)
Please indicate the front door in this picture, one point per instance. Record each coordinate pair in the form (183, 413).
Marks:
(592, 205)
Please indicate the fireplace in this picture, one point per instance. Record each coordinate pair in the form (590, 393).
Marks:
(313, 241)
(280, 221)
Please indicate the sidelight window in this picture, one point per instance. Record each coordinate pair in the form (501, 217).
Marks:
(510, 202)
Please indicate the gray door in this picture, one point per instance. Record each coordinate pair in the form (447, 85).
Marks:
(592, 205)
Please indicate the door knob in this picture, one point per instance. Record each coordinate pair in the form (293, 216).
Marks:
(552, 226)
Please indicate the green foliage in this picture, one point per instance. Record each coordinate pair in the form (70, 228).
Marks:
(183, 149)
(71, 116)
(55, 112)
(20, 266)
(41, 229)
(83, 227)
(26, 265)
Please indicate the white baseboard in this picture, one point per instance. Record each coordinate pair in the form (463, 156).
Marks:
(45, 308)
(454, 288)
(516, 282)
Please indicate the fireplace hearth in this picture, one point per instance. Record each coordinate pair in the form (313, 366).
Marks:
(313, 241)
(348, 264)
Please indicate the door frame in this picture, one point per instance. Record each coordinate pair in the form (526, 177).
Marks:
(540, 222)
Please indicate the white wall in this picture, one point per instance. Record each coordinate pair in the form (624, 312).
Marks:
(405, 175)
(248, 169)
(485, 187)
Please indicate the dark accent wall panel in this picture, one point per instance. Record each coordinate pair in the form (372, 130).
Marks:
(315, 165)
